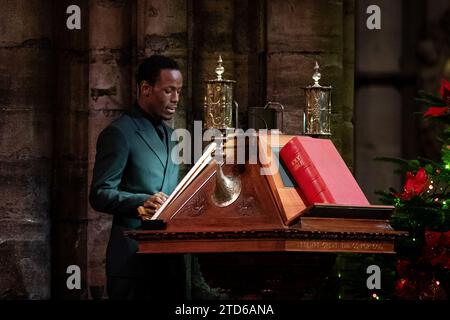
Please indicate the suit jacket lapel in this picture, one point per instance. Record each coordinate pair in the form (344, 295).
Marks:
(148, 133)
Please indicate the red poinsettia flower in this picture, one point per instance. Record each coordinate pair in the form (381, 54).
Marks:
(436, 111)
(414, 185)
(445, 95)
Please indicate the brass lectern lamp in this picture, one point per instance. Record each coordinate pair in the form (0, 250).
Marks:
(218, 114)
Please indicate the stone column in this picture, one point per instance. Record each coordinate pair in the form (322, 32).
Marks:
(378, 111)
(348, 85)
(110, 93)
(249, 56)
(69, 220)
(26, 130)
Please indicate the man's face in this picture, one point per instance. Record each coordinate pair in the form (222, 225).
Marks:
(161, 99)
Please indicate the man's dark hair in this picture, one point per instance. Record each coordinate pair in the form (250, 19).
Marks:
(150, 68)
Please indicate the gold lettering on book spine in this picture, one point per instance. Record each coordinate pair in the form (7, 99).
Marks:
(297, 162)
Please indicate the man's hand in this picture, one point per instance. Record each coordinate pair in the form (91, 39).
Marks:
(152, 204)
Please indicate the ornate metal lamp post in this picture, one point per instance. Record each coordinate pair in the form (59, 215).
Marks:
(317, 113)
(218, 105)
(218, 114)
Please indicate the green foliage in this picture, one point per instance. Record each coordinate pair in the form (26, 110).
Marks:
(429, 99)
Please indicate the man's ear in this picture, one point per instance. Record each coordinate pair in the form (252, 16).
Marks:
(146, 88)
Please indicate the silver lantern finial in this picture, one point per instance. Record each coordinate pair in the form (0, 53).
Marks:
(316, 76)
(220, 69)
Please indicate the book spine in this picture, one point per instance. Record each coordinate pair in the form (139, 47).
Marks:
(305, 173)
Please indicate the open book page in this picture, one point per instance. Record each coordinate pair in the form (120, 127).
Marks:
(204, 160)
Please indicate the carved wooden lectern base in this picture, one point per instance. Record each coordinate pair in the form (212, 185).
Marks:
(254, 223)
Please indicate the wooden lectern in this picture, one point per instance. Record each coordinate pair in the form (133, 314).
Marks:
(267, 219)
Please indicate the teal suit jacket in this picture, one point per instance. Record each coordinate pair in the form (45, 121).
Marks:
(131, 164)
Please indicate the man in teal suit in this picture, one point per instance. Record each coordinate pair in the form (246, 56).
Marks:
(133, 167)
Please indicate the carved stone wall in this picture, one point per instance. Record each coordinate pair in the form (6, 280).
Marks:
(70, 150)
(26, 149)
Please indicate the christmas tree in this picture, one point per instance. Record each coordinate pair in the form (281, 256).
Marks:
(422, 209)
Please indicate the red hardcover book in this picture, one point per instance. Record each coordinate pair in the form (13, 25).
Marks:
(321, 173)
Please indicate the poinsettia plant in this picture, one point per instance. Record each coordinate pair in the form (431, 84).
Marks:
(422, 209)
